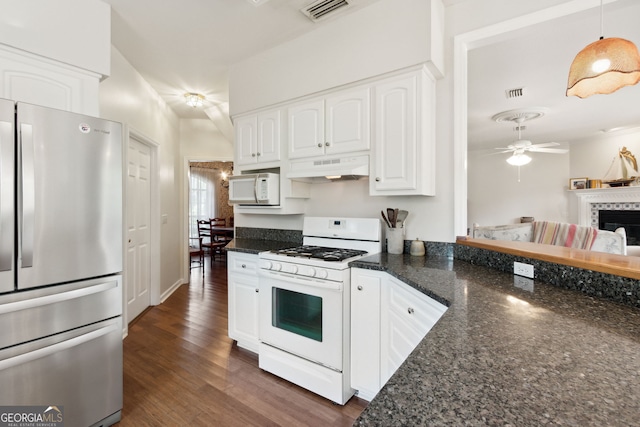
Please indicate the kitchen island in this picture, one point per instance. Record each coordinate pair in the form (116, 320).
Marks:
(510, 351)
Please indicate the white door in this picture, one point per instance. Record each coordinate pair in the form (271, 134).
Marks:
(138, 269)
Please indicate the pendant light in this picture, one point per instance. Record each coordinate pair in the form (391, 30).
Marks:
(604, 66)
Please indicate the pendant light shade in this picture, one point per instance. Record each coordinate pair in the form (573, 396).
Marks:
(604, 67)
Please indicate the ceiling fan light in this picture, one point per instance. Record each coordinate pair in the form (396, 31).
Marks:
(603, 67)
(519, 160)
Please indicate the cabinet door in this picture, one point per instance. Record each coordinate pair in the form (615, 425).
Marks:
(407, 315)
(365, 332)
(246, 139)
(348, 121)
(306, 129)
(268, 136)
(243, 300)
(395, 165)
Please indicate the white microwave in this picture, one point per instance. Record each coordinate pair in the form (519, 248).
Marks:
(262, 189)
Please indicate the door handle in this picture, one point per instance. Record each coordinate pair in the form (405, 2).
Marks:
(27, 186)
(6, 195)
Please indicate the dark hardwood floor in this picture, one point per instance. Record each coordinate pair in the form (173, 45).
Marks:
(181, 369)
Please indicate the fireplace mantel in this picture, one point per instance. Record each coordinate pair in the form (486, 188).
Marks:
(621, 198)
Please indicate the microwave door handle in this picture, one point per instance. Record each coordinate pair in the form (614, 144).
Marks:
(255, 189)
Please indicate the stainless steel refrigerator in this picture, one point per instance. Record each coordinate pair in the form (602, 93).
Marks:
(61, 225)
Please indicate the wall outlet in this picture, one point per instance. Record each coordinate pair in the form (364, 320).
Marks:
(522, 269)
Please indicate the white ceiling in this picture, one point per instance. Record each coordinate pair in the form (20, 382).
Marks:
(188, 46)
(539, 59)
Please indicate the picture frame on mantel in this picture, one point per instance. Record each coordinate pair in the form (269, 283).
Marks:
(578, 183)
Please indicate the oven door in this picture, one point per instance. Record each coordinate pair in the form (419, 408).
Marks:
(302, 316)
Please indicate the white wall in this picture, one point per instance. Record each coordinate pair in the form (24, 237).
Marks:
(201, 139)
(126, 97)
(496, 197)
(76, 32)
(382, 37)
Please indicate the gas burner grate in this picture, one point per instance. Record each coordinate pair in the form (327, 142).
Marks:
(320, 252)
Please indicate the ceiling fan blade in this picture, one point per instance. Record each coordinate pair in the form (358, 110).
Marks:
(546, 144)
(548, 150)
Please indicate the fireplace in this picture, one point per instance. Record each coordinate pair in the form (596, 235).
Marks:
(629, 219)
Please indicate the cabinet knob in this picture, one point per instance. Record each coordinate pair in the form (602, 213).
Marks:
(359, 287)
(327, 144)
(258, 154)
(319, 144)
(253, 154)
(244, 265)
(377, 179)
(410, 310)
(257, 290)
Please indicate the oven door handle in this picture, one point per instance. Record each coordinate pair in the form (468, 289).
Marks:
(301, 280)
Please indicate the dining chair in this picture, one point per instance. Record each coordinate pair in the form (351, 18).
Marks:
(196, 251)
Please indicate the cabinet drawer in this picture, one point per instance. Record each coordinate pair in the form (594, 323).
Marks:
(414, 307)
(242, 263)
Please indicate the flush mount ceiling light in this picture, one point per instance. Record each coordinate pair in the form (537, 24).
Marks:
(194, 99)
(604, 66)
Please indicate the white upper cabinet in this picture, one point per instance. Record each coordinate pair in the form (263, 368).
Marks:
(337, 123)
(403, 160)
(258, 138)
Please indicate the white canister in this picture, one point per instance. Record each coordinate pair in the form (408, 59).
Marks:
(395, 240)
(417, 248)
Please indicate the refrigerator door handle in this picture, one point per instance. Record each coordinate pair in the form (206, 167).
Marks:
(6, 195)
(28, 194)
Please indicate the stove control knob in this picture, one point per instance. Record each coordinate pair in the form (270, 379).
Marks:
(322, 274)
(293, 269)
(276, 266)
(309, 271)
(265, 264)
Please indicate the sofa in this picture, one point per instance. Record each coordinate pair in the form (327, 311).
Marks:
(546, 232)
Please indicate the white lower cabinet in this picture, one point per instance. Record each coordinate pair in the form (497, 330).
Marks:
(388, 320)
(242, 275)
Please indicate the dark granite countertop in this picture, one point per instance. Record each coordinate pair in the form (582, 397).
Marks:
(255, 246)
(510, 352)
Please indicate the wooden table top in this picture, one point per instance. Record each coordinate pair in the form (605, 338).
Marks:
(619, 265)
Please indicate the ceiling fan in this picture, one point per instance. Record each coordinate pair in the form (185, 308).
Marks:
(521, 146)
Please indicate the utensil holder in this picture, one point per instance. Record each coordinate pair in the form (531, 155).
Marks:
(395, 240)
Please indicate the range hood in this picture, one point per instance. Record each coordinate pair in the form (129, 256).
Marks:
(330, 169)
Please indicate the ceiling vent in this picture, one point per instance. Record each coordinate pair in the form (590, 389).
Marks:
(321, 9)
(514, 93)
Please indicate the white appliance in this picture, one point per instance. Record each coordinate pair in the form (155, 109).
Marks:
(304, 304)
(346, 167)
(61, 180)
(261, 189)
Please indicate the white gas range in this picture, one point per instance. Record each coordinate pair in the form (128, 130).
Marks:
(305, 304)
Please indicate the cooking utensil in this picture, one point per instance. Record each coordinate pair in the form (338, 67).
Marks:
(395, 217)
(402, 216)
(391, 217)
(386, 221)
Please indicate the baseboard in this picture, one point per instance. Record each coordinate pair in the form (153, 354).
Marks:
(166, 294)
